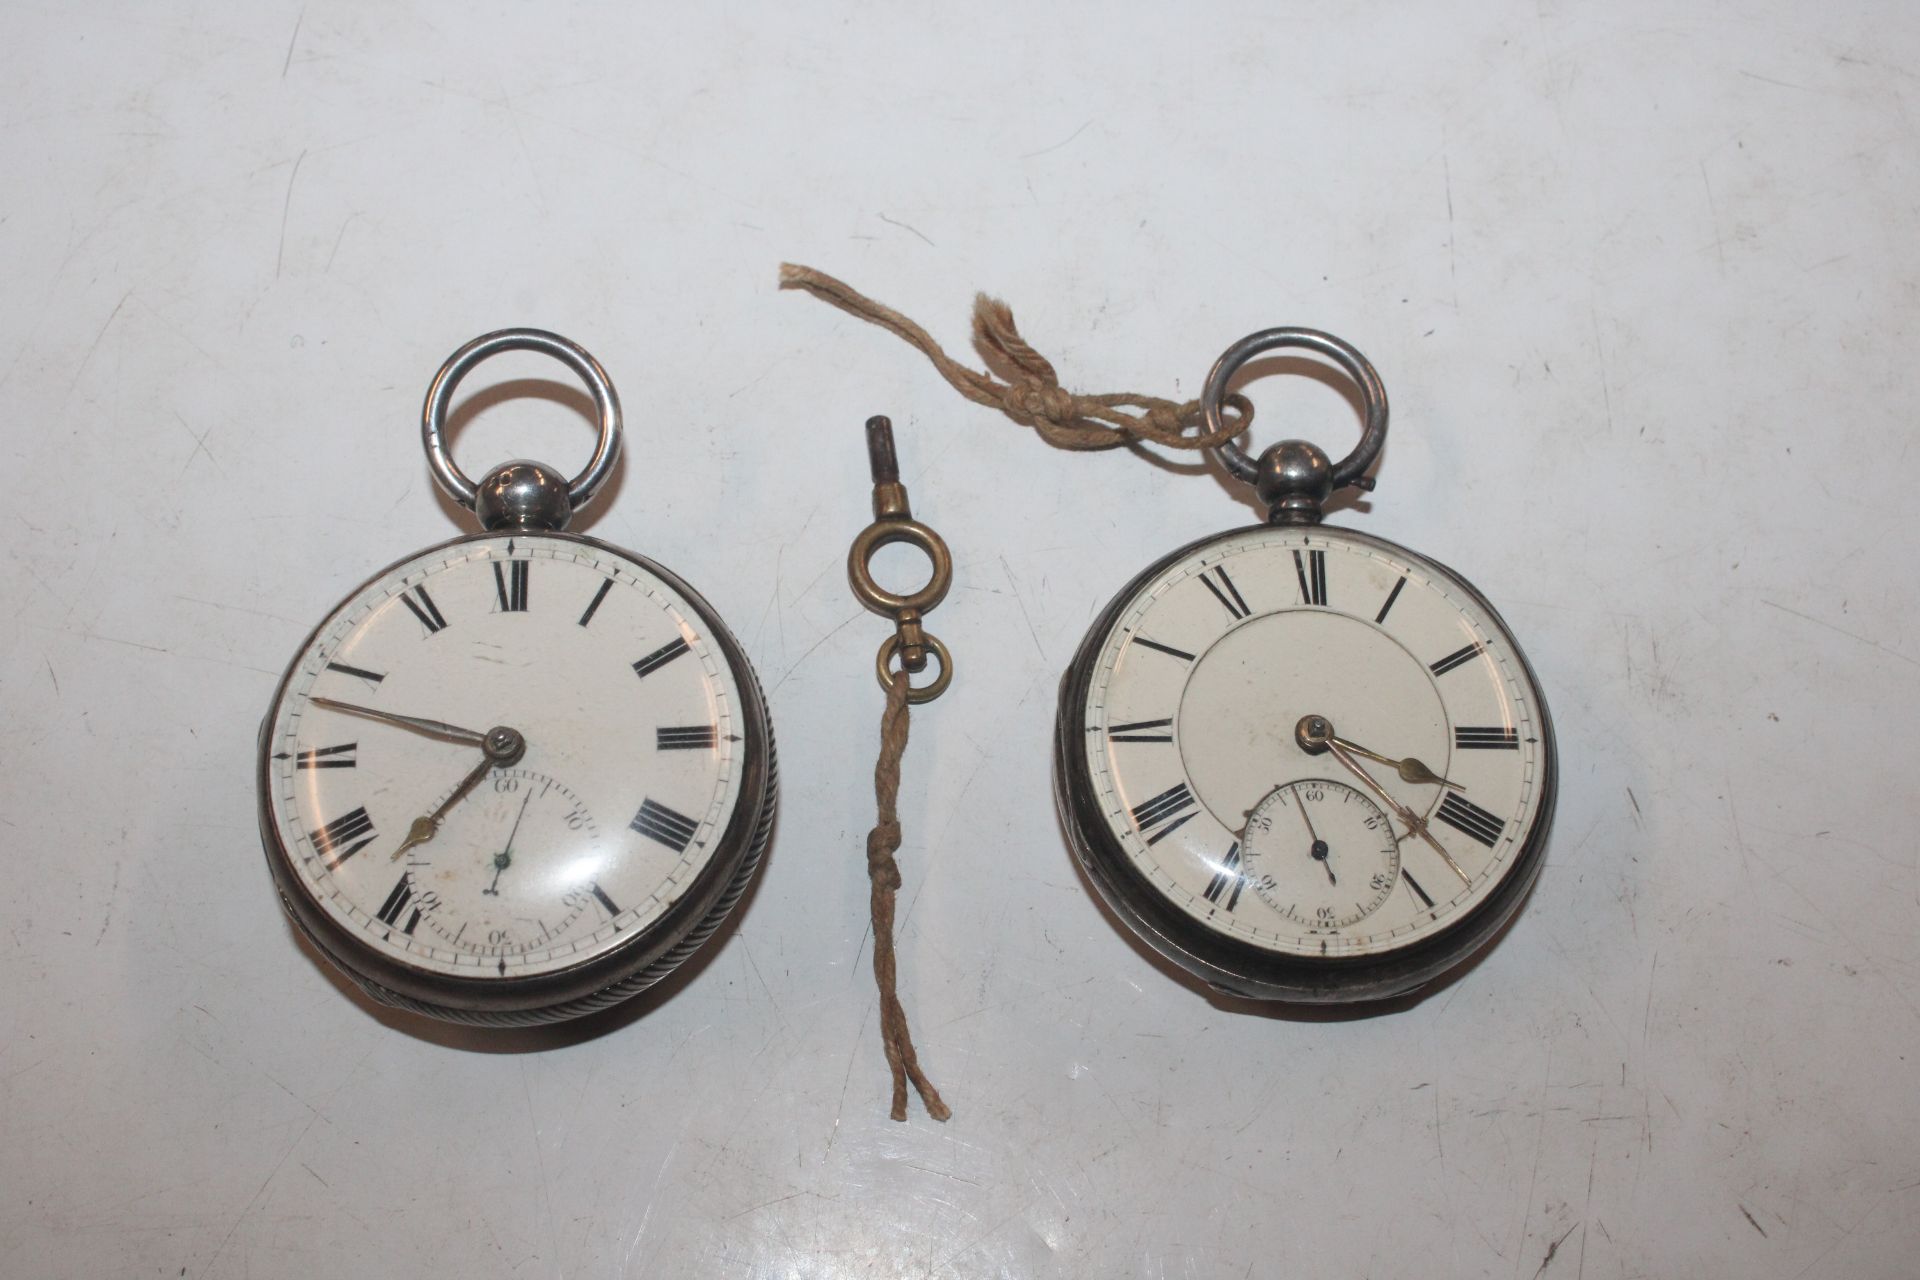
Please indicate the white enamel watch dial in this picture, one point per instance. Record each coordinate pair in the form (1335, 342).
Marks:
(1305, 763)
(518, 776)
(1191, 740)
(631, 716)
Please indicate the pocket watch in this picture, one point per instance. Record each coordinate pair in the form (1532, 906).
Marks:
(1302, 762)
(522, 775)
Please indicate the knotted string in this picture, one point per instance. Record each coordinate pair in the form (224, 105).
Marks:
(1027, 390)
(1031, 393)
(884, 873)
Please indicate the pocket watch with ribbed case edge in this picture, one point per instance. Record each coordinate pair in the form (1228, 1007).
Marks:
(522, 775)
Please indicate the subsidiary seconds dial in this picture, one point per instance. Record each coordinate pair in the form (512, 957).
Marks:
(535, 896)
(1319, 853)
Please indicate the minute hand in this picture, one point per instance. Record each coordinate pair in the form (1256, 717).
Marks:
(1416, 825)
(419, 724)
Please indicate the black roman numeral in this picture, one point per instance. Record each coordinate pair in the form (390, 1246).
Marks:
(1414, 885)
(510, 585)
(593, 605)
(661, 657)
(1391, 597)
(674, 830)
(1140, 731)
(1468, 817)
(340, 839)
(1225, 592)
(1486, 738)
(340, 757)
(1466, 653)
(1229, 874)
(417, 599)
(396, 903)
(371, 677)
(1312, 568)
(1181, 654)
(605, 901)
(1167, 812)
(692, 737)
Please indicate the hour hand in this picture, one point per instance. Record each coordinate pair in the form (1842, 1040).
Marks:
(503, 746)
(1316, 734)
(1410, 768)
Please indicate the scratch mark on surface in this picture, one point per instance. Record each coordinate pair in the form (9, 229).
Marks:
(860, 613)
(768, 1204)
(1028, 155)
(1646, 1018)
(1600, 353)
(1533, 1179)
(1021, 601)
(1841, 1239)
(199, 444)
(236, 608)
(112, 893)
(262, 1189)
(1739, 836)
(292, 40)
(87, 358)
(526, 152)
(852, 1054)
(940, 1173)
(540, 1158)
(286, 206)
(1635, 800)
(338, 237)
(1553, 1249)
(1453, 275)
(904, 227)
(1819, 622)
(1752, 1223)
(773, 1000)
(1713, 216)
(1755, 75)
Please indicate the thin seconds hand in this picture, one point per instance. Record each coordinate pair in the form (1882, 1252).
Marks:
(1318, 850)
(504, 859)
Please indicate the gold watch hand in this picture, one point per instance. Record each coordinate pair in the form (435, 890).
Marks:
(502, 747)
(1416, 825)
(1411, 769)
(432, 728)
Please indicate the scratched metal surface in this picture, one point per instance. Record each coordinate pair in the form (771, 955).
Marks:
(1643, 285)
